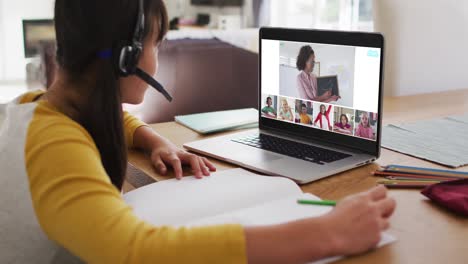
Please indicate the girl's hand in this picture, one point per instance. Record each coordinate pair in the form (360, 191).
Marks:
(357, 222)
(326, 95)
(168, 154)
(354, 226)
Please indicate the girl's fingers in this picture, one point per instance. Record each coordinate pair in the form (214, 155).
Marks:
(378, 193)
(386, 206)
(194, 162)
(203, 167)
(159, 165)
(176, 165)
(200, 166)
(208, 163)
(384, 224)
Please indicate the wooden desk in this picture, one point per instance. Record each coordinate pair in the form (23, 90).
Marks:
(425, 232)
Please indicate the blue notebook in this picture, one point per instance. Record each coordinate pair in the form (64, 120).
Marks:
(206, 123)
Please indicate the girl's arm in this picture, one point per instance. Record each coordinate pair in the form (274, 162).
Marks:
(318, 118)
(328, 110)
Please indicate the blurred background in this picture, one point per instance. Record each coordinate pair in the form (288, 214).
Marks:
(25, 25)
(426, 47)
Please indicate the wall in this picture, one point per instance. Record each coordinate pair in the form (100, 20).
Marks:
(427, 44)
(12, 14)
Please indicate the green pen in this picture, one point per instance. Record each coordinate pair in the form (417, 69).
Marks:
(317, 202)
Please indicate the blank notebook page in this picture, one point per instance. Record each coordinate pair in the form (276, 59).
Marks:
(177, 202)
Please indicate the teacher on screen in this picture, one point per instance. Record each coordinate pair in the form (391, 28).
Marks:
(307, 81)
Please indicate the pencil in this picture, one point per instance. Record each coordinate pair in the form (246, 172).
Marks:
(317, 202)
(435, 177)
(405, 185)
(426, 171)
(393, 178)
(406, 181)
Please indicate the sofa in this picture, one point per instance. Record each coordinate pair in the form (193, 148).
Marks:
(202, 75)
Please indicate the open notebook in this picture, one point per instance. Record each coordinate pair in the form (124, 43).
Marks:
(229, 196)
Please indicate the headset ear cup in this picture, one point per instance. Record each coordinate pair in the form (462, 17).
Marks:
(128, 58)
(120, 61)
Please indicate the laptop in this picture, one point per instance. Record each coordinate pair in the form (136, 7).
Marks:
(307, 132)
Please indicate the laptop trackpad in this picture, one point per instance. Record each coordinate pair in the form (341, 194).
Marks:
(259, 157)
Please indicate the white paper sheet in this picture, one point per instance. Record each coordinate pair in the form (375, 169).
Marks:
(174, 202)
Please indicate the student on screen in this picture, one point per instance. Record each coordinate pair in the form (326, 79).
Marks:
(285, 112)
(303, 116)
(323, 118)
(306, 79)
(268, 110)
(364, 129)
(343, 126)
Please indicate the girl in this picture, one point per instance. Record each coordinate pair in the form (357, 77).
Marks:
(364, 129)
(343, 126)
(285, 112)
(323, 118)
(64, 155)
(303, 116)
(306, 79)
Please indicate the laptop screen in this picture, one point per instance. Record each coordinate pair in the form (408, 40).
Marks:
(327, 87)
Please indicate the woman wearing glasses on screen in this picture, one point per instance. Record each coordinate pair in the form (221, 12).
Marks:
(306, 79)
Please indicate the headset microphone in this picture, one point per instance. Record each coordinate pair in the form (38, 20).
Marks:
(151, 81)
(127, 63)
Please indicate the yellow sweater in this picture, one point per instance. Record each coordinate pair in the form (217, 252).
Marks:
(77, 206)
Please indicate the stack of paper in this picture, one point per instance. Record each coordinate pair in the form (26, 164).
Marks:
(442, 140)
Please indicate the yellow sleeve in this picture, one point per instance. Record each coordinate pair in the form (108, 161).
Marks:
(78, 207)
(131, 124)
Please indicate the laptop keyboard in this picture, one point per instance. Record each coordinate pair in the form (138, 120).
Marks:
(292, 148)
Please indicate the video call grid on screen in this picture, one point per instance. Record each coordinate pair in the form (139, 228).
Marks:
(355, 71)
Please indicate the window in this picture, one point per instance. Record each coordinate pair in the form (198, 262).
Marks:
(324, 14)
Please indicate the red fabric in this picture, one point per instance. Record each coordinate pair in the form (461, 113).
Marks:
(452, 195)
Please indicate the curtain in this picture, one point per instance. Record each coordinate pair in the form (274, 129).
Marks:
(261, 12)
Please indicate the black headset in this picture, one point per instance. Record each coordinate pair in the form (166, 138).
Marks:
(129, 55)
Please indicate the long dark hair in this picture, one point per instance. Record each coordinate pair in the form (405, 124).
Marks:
(304, 54)
(83, 29)
(341, 117)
